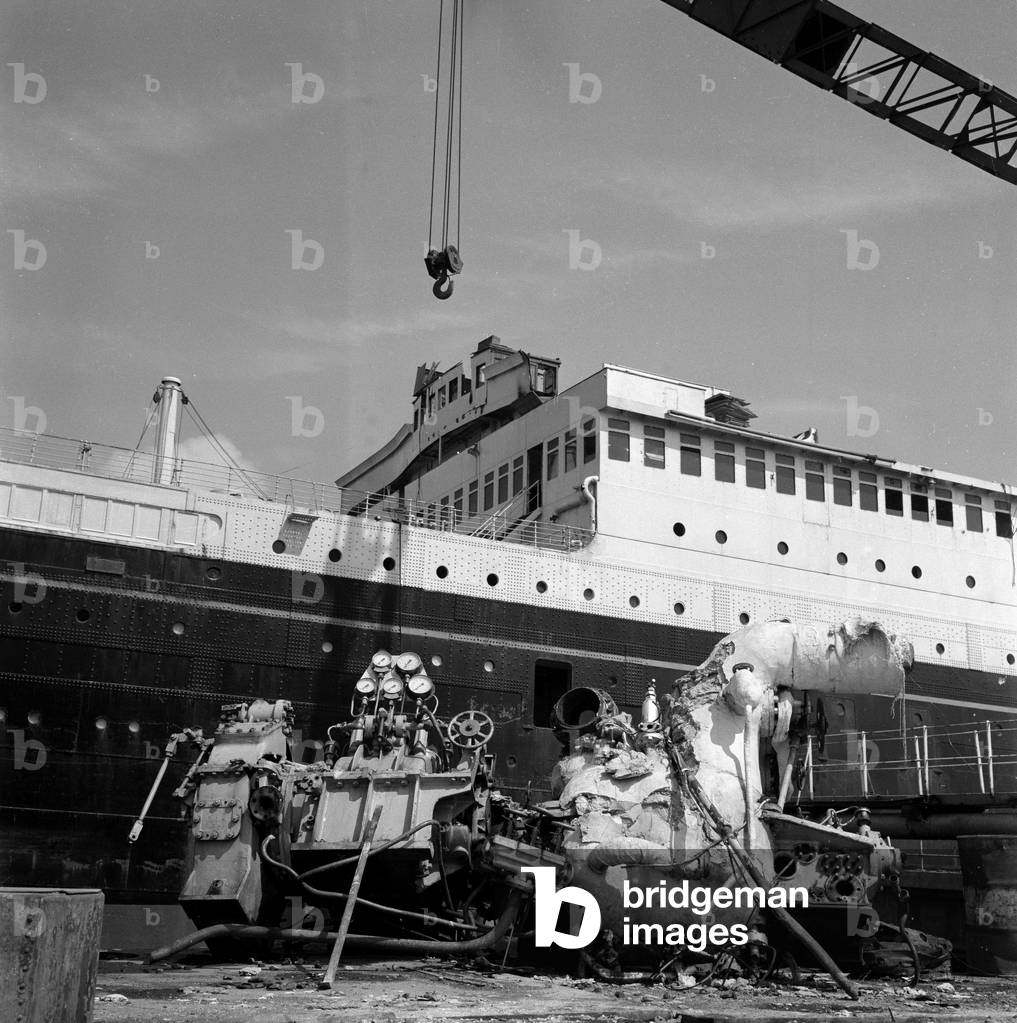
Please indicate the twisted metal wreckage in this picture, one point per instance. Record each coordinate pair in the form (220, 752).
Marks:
(679, 797)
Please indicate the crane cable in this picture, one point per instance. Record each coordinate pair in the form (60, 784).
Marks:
(445, 261)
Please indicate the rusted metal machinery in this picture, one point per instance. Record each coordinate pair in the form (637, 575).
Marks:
(400, 834)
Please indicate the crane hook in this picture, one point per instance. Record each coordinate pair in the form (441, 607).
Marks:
(443, 282)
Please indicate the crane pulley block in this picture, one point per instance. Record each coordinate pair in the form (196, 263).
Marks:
(441, 265)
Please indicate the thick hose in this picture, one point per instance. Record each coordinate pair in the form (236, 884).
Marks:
(321, 895)
(353, 859)
(749, 865)
(420, 946)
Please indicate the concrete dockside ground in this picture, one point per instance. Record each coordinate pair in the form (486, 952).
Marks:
(386, 991)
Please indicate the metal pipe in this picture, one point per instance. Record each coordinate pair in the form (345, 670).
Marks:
(423, 946)
(925, 753)
(169, 396)
(865, 765)
(978, 751)
(988, 756)
(945, 825)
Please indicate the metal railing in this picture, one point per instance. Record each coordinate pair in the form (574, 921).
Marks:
(973, 761)
(117, 463)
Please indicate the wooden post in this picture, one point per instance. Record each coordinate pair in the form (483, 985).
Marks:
(351, 899)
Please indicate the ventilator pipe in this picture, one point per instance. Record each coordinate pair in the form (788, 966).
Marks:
(590, 496)
(419, 946)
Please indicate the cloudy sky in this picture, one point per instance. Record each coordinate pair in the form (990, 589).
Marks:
(167, 168)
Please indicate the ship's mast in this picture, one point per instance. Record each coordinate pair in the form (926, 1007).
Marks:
(169, 398)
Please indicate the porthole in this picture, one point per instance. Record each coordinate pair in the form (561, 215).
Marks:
(916, 571)
(388, 564)
(335, 555)
(101, 724)
(492, 579)
(441, 572)
(782, 548)
(841, 710)
(679, 528)
(83, 614)
(841, 558)
(178, 628)
(679, 608)
(278, 546)
(326, 647)
(541, 586)
(633, 601)
(488, 666)
(917, 719)
(588, 594)
(213, 573)
(3, 715)
(970, 581)
(940, 649)
(720, 536)
(34, 717)
(511, 761)
(436, 661)
(744, 618)
(15, 607)
(1009, 658)
(134, 727)
(880, 565)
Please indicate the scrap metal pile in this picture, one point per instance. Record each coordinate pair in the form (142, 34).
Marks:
(400, 835)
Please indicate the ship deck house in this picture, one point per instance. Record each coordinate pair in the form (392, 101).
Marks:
(667, 474)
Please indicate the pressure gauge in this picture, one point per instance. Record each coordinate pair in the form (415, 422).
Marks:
(366, 686)
(420, 685)
(392, 688)
(408, 664)
(381, 661)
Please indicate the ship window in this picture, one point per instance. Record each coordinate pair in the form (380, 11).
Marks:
(457, 507)
(723, 461)
(893, 496)
(842, 485)
(1004, 527)
(489, 491)
(552, 458)
(973, 512)
(570, 450)
(691, 460)
(944, 507)
(589, 440)
(618, 439)
(755, 468)
(441, 396)
(919, 502)
(517, 476)
(785, 474)
(653, 446)
(868, 493)
(453, 390)
(815, 481)
(466, 386)
(480, 375)
(471, 500)
(551, 681)
(503, 483)
(416, 418)
(430, 404)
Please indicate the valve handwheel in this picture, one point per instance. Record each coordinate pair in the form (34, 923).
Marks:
(470, 730)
